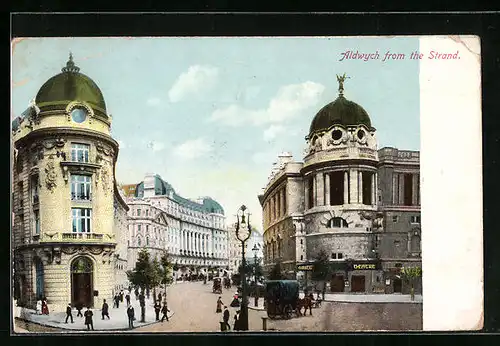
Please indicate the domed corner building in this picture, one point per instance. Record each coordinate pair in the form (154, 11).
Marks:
(349, 202)
(68, 214)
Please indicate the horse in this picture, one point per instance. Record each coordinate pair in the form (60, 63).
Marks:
(305, 303)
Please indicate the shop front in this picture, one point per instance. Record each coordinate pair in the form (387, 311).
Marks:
(364, 277)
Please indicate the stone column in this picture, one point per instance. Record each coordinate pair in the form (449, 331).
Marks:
(320, 189)
(376, 189)
(327, 188)
(401, 189)
(395, 189)
(306, 193)
(314, 191)
(360, 187)
(414, 181)
(353, 184)
(283, 201)
(346, 188)
(373, 189)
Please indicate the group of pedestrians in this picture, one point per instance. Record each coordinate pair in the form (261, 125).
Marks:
(41, 307)
(116, 303)
(226, 315)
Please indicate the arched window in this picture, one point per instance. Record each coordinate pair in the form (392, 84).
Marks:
(337, 222)
(138, 241)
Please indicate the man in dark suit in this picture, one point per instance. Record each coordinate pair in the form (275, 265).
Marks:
(157, 307)
(226, 317)
(131, 316)
(105, 309)
(88, 319)
(165, 312)
(69, 314)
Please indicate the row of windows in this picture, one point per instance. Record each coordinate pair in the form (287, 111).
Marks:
(275, 207)
(413, 218)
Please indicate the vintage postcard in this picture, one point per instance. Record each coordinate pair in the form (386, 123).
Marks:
(246, 184)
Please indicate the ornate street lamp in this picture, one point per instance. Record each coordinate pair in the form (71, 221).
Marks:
(243, 232)
(255, 250)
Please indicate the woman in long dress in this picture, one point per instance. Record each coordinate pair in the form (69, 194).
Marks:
(235, 303)
(45, 307)
(219, 305)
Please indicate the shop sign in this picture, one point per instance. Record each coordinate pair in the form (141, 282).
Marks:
(365, 266)
(305, 267)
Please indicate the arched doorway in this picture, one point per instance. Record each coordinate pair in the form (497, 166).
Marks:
(82, 281)
(39, 278)
(397, 285)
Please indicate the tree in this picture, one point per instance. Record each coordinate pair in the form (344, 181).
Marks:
(410, 274)
(156, 275)
(276, 273)
(166, 270)
(321, 267)
(142, 276)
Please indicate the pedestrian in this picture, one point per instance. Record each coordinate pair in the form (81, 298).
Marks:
(236, 325)
(165, 312)
(219, 305)
(39, 306)
(236, 302)
(226, 317)
(88, 319)
(121, 296)
(131, 316)
(117, 300)
(157, 309)
(79, 307)
(136, 291)
(127, 299)
(114, 301)
(159, 296)
(45, 307)
(105, 308)
(69, 314)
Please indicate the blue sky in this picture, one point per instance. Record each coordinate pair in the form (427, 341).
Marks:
(210, 115)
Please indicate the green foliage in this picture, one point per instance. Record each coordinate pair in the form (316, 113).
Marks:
(252, 268)
(141, 275)
(165, 271)
(410, 274)
(276, 273)
(321, 267)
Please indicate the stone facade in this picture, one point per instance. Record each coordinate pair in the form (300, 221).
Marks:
(193, 232)
(63, 190)
(121, 231)
(359, 204)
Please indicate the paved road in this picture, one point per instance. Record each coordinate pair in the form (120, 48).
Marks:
(195, 304)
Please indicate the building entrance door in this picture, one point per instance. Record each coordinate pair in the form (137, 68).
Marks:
(337, 283)
(82, 281)
(397, 284)
(358, 283)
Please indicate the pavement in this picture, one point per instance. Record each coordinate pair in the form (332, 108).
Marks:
(118, 318)
(372, 298)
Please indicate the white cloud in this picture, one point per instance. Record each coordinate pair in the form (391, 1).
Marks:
(156, 146)
(193, 148)
(153, 101)
(272, 131)
(196, 79)
(289, 101)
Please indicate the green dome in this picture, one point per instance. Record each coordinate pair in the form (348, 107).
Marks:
(339, 112)
(71, 85)
(212, 206)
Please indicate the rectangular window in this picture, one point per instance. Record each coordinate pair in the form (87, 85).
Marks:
(81, 187)
(334, 255)
(80, 152)
(415, 219)
(394, 219)
(337, 188)
(367, 187)
(82, 218)
(138, 228)
(339, 255)
(138, 212)
(34, 189)
(310, 197)
(37, 222)
(408, 189)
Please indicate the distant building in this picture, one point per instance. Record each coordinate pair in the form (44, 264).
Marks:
(235, 259)
(194, 231)
(357, 203)
(66, 240)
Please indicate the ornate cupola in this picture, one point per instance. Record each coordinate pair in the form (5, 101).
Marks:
(343, 128)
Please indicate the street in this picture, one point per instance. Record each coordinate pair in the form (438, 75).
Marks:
(195, 304)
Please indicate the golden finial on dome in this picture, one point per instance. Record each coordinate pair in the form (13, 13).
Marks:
(341, 79)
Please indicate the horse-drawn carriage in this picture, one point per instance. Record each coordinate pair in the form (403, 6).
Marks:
(227, 282)
(217, 286)
(281, 298)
